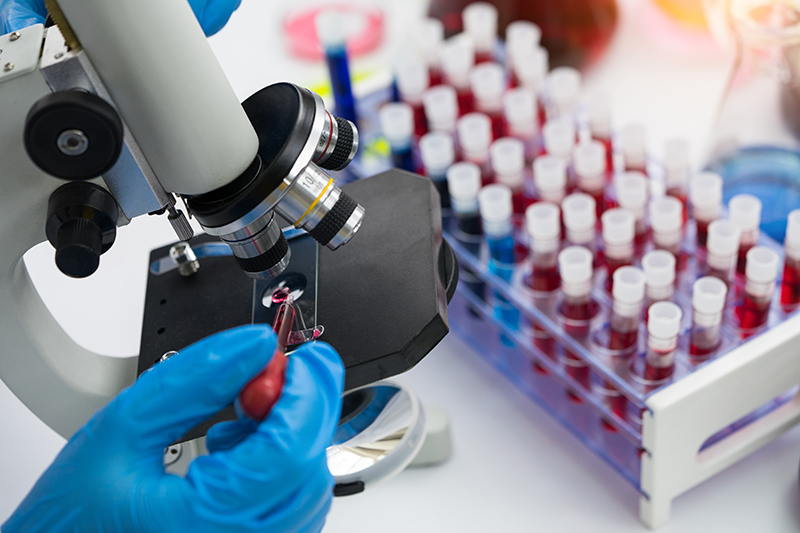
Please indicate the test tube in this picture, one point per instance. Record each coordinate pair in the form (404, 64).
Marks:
(790, 285)
(599, 110)
(590, 168)
(659, 273)
(634, 148)
(508, 165)
(427, 38)
(580, 219)
(663, 327)
(708, 301)
(496, 210)
(618, 234)
(760, 275)
(463, 183)
(626, 311)
(563, 85)
(559, 138)
(480, 23)
(577, 307)
(397, 124)
(543, 221)
(744, 210)
(550, 178)
(521, 36)
(412, 82)
(474, 138)
(705, 194)
(631, 189)
(332, 35)
(530, 72)
(457, 56)
(676, 169)
(438, 153)
(722, 246)
(666, 219)
(488, 83)
(519, 109)
(441, 108)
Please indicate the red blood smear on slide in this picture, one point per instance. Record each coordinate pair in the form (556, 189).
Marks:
(790, 286)
(752, 313)
(544, 279)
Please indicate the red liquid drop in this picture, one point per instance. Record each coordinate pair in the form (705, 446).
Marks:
(702, 232)
(752, 313)
(544, 279)
(790, 286)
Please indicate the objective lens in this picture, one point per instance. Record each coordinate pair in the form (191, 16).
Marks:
(260, 249)
(337, 144)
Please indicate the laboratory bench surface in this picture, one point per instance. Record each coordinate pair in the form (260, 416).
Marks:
(513, 468)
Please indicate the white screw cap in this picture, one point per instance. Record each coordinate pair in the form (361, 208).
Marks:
(428, 36)
(464, 181)
(488, 82)
(549, 174)
(457, 56)
(559, 137)
(634, 148)
(531, 68)
(575, 268)
(441, 108)
(666, 215)
(619, 226)
(564, 89)
(762, 265)
(744, 210)
(708, 295)
(412, 79)
(676, 162)
(519, 109)
(590, 165)
(579, 212)
(543, 221)
(659, 268)
(522, 35)
(664, 320)
(793, 232)
(480, 23)
(631, 190)
(475, 132)
(705, 192)
(723, 238)
(397, 123)
(495, 208)
(437, 151)
(628, 285)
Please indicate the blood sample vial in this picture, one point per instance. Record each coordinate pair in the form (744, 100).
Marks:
(437, 151)
(563, 87)
(708, 302)
(663, 327)
(488, 84)
(790, 286)
(441, 108)
(659, 273)
(618, 235)
(632, 195)
(480, 24)
(705, 194)
(543, 222)
(760, 275)
(507, 156)
(744, 210)
(550, 178)
(666, 219)
(577, 308)
(580, 220)
(474, 138)
(412, 82)
(457, 57)
(591, 171)
(723, 246)
(628, 294)
(676, 171)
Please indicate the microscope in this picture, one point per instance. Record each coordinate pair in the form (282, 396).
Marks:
(120, 110)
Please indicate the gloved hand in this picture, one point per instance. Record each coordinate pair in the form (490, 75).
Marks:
(18, 14)
(110, 475)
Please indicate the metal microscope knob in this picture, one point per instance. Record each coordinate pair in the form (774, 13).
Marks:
(81, 226)
(73, 135)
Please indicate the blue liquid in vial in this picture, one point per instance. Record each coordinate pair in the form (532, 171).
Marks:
(772, 175)
(403, 159)
(501, 251)
(340, 83)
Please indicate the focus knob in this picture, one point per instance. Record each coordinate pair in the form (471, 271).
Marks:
(81, 226)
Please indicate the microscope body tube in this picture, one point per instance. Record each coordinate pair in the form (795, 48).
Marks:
(166, 82)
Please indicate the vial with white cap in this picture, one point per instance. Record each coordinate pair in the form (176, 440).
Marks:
(507, 156)
(397, 125)
(530, 71)
(559, 138)
(543, 222)
(519, 110)
(744, 210)
(480, 23)
(457, 56)
(474, 138)
(626, 310)
(496, 210)
(521, 36)
(659, 273)
(438, 153)
(463, 184)
(663, 327)
(632, 194)
(589, 161)
(618, 234)
(427, 38)
(760, 275)
(708, 301)
(550, 178)
(580, 219)
(722, 247)
(705, 195)
(790, 285)
(634, 147)
(666, 220)
(563, 86)
(676, 169)
(441, 108)
(599, 111)
(332, 34)
(577, 307)
(412, 78)
(488, 83)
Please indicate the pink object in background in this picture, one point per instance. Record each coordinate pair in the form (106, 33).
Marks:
(365, 36)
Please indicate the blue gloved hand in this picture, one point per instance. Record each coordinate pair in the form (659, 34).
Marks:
(18, 14)
(110, 475)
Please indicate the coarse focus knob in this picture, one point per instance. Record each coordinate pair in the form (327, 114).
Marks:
(73, 135)
(81, 226)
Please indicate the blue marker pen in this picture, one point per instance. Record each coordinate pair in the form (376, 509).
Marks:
(397, 124)
(332, 35)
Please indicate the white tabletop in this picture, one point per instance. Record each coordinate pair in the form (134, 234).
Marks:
(513, 467)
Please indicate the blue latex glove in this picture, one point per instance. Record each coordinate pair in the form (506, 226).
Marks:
(18, 14)
(110, 475)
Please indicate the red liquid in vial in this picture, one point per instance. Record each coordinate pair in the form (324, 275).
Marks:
(498, 126)
(741, 263)
(520, 202)
(435, 75)
(599, 201)
(484, 57)
(658, 373)
(420, 122)
(752, 313)
(612, 264)
(790, 286)
(577, 370)
(466, 102)
(541, 114)
(544, 279)
(641, 237)
(622, 340)
(633, 168)
(607, 144)
(680, 194)
(701, 351)
(702, 232)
